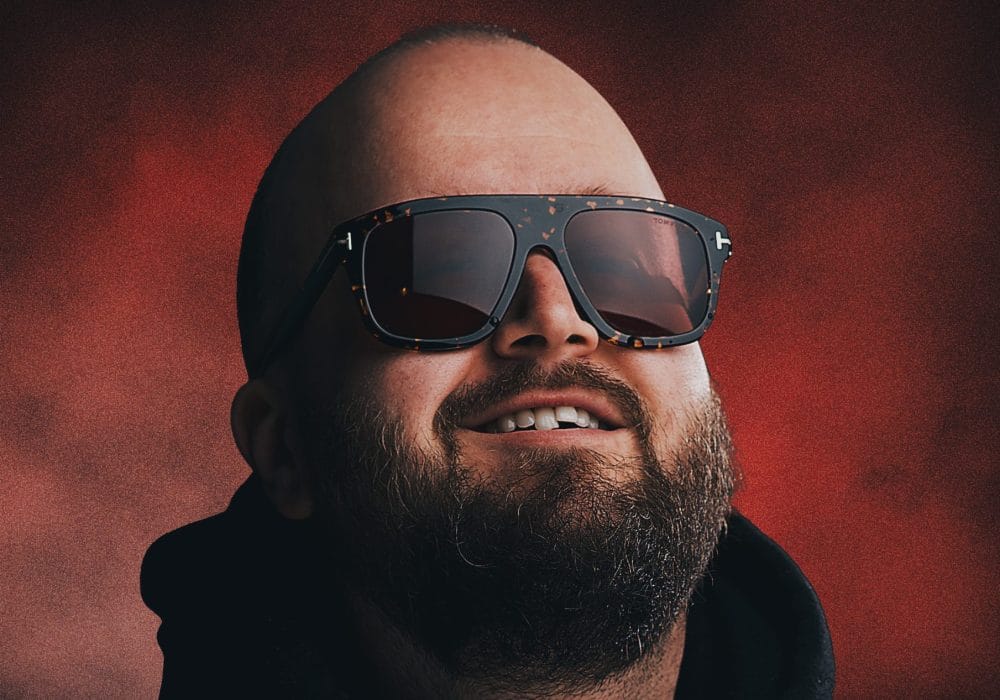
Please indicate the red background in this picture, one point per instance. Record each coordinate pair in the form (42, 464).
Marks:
(853, 151)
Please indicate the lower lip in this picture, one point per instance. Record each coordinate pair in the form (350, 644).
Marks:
(577, 437)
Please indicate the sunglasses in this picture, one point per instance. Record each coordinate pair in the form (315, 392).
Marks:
(439, 273)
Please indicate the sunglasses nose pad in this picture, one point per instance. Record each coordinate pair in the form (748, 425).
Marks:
(543, 319)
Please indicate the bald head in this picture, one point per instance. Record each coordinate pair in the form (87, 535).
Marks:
(483, 118)
(465, 113)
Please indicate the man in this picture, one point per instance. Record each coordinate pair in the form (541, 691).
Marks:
(487, 458)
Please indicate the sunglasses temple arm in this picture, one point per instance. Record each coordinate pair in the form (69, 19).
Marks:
(298, 309)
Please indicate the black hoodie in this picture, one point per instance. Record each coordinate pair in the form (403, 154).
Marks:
(248, 610)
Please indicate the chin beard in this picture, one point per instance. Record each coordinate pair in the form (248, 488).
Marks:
(554, 586)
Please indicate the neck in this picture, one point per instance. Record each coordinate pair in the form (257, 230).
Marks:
(399, 667)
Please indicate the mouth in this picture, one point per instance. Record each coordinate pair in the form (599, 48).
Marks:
(537, 412)
(544, 418)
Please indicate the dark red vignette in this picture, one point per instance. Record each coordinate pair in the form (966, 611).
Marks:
(852, 152)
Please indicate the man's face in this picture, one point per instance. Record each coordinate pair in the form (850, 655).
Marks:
(407, 458)
(496, 118)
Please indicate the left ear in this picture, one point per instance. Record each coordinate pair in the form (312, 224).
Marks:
(258, 420)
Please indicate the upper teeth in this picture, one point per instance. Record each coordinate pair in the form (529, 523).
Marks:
(544, 418)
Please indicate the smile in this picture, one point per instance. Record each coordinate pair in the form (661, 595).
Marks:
(544, 418)
(542, 411)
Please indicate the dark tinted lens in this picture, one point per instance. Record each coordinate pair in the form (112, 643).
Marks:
(437, 275)
(645, 273)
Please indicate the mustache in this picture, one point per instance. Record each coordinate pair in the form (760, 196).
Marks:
(520, 377)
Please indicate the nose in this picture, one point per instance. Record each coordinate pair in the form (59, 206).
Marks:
(542, 321)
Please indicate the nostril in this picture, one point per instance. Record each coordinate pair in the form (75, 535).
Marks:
(540, 342)
(531, 341)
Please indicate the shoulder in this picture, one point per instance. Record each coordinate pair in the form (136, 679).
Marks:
(200, 560)
(239, 615)
(757, 617)
(176, 564)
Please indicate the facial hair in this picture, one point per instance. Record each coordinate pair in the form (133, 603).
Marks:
(560, 584)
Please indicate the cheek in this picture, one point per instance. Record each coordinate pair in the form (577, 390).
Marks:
(410, 387)
(341, 357)
(669, 382)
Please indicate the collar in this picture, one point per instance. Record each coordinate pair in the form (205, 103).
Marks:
(755, 625)
(236, 592)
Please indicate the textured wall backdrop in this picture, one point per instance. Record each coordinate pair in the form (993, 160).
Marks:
(853, 151)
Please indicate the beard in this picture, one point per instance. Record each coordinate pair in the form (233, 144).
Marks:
(556, 580)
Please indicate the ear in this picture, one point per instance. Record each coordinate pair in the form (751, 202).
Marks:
(258, 420)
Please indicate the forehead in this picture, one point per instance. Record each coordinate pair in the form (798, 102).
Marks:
(481, 118)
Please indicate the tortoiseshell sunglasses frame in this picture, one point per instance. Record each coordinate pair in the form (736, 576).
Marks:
(536, 221)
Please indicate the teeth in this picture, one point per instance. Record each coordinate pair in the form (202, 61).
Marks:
(565, 414)
(525, 418)
(544, 418)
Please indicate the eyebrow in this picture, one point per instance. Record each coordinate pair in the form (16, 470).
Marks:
(595, 190)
